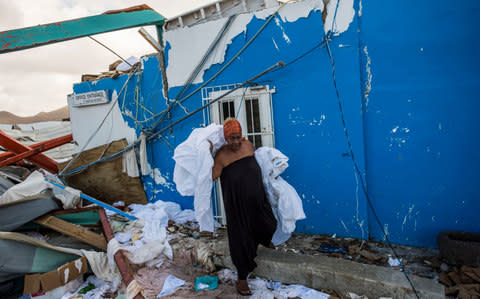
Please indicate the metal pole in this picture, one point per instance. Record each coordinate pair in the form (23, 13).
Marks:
(280, 63)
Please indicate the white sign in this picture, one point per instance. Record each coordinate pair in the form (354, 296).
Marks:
(89, 98)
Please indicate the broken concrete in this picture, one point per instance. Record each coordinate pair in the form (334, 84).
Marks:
(323, 272)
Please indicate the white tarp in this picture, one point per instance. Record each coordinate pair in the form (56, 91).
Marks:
(286, 204)
(35, 184)
(193, 170)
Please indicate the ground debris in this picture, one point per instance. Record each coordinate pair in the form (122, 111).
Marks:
(463, 282)
(424, 262)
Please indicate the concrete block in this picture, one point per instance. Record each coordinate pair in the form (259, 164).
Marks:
(337, 274)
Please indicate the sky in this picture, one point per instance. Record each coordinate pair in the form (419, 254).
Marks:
(39, 79)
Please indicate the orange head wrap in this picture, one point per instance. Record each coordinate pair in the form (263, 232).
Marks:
(231, 126)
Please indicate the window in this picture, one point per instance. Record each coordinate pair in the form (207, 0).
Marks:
(252, 107)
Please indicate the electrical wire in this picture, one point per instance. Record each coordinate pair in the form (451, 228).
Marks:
(165, 112)
(99, 126)
(103, 45)
(327, 38)
(249, 81)
(138, 140)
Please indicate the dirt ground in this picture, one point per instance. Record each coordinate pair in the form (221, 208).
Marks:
(423, 262)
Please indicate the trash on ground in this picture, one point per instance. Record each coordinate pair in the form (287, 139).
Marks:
(170, 286)
(206, 282)
(394, 262)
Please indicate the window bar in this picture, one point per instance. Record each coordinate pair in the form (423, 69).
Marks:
(252, 115)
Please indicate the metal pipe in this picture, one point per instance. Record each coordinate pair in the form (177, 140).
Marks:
(280, 63)
(100, 203)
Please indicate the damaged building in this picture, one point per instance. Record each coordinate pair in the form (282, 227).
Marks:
(358, 94)
(351, 108)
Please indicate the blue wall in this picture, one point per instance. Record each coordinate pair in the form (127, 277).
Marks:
(414, 136)
(422, 177)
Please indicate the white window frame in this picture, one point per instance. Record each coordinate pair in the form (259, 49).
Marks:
(239, 97)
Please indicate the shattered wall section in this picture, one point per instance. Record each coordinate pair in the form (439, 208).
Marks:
(183, 58)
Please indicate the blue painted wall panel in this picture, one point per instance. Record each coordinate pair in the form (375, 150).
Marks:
(421, 130)
(308, 125)
(414, 136)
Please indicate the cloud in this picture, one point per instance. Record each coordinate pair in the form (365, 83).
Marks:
(10, 14)
(39, 79)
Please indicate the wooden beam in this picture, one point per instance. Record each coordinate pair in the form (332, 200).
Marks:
(39, 159)
(45, 146)
(150, 39)
(73, 230)
(120, 259)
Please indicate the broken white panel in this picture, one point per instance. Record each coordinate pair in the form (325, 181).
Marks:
(189, 44)
(86, 120)
(343, 18)
(128, 64)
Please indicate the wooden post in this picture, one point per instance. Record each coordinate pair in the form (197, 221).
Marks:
(122, 265)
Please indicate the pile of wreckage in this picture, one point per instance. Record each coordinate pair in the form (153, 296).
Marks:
(58, 242)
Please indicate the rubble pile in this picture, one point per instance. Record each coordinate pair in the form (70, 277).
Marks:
(165, 253)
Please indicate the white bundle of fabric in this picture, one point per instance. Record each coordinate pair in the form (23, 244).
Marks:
(193, 170)
(286, 204)
(35, 184)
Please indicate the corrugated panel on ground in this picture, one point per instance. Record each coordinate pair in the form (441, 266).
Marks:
(42, 132)
(106, 181)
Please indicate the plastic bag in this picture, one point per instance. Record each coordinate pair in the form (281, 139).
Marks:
(170, 286)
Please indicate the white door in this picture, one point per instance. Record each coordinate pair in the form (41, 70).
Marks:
(252, 107)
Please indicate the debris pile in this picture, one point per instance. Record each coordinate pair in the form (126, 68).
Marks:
(61, 246)
(424, 262)
(66, 254)
(115, 69)
(463, 282)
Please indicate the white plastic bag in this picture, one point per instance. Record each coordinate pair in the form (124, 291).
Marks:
(170, 286)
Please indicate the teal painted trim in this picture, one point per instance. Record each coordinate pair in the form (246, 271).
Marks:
(24, 38)
(46, 260)
(78, 218)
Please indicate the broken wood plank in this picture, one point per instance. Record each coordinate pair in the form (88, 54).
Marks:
(16, 147)
(73, 230)
(120, 260)
(44, 146)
